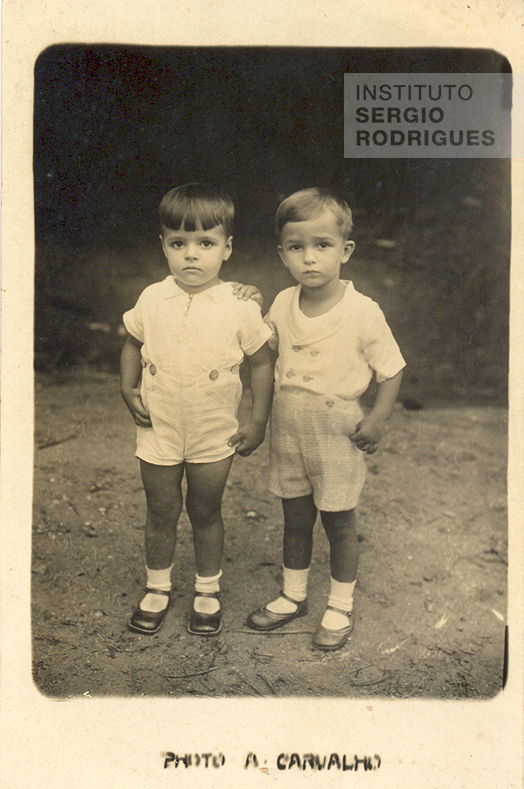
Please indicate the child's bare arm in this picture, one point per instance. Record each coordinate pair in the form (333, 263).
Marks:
(130, 373)
(250, 436)
(370, 430)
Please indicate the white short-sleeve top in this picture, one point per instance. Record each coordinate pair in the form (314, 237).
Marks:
(334, 353)
(193, 337)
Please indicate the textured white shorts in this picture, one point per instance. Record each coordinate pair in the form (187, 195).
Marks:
(311, 452)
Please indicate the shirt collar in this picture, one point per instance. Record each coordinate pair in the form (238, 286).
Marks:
(173, 290)
(307, 331)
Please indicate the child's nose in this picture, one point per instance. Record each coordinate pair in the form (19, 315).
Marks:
(309, 256)
(191, 251)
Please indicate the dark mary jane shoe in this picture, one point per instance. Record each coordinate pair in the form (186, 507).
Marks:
(205, 624)
(330, 640)
(262, 619)
(149, 622)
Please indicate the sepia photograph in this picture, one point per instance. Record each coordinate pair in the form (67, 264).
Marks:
(119, 131)
(222, 238)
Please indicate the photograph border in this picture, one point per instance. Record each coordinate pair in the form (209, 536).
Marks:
(98, 742)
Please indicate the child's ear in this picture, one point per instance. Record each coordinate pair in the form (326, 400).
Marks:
(161, 237)
(280, 250)
(349, 248)
(229, 248)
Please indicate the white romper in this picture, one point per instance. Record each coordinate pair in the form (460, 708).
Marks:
(192, 349)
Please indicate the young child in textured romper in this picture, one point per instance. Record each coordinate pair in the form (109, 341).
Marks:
(187, 336)
(330, 339)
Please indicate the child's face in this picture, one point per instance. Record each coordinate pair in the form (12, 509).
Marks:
(314, 250)
(194, 257)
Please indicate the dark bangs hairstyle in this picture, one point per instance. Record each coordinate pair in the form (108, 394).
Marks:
(195, 206)
(310, 203)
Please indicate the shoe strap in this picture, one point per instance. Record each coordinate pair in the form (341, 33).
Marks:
(290, 599)
(339, 611)
(147, 590)
(216, 595)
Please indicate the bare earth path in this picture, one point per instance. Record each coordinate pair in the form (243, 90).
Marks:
(431, 598)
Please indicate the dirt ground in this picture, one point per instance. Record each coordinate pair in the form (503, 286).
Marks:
(430, 603)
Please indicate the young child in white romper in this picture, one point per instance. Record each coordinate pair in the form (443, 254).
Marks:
(330, 340)
(187, 336)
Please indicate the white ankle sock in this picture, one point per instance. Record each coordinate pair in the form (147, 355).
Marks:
(157, 579)
(207, 605)
(295, 586)
(340, 596)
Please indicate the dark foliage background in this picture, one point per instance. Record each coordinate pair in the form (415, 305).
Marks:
(116, 127)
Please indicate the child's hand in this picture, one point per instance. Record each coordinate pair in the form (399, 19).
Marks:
(247, 438)
(367, 435)
(247, 292)
(134, 402)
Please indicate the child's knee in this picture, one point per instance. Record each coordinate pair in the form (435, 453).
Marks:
(298, 527)
(339, 522)
(203, 509)
(164, 508)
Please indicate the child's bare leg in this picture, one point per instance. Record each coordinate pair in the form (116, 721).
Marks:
(341, 530)
(162, 485)
(205, 488)
(300, 515)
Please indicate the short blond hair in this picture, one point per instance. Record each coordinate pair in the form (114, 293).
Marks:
(310, 203)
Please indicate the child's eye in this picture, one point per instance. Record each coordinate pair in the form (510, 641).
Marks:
(206, 244)
(324, 245)
(177, 244)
